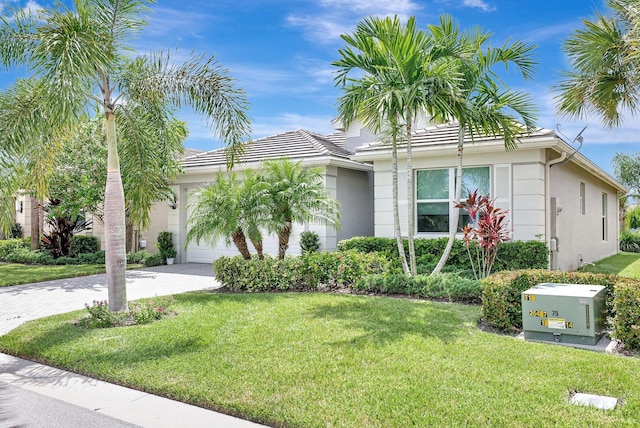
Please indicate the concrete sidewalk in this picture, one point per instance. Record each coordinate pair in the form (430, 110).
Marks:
(105, 399)
(72, 400)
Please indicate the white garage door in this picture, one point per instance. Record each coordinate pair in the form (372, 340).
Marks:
(206, 253)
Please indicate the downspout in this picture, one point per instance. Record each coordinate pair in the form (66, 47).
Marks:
(547, 171)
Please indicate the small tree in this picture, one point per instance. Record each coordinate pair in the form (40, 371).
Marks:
(165, 245)
(296, 194)
(489, 228)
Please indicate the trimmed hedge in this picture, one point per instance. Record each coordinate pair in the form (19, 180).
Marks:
(83, 244)
(626, 326)
(511, 255)
(7, 246)
(501, 296)
(308, 272)
(441, 286)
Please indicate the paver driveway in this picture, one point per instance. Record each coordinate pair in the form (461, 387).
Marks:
(22, 303)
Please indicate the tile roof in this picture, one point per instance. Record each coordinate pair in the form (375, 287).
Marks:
(442, 135)
(191, 152)
(299, 144)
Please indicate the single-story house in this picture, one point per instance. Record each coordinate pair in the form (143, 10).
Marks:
(553, 193)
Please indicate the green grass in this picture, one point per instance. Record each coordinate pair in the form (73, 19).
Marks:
(623, 264)
(316, 360)
(15, 274)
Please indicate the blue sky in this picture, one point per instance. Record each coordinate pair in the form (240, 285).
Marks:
(280, 52)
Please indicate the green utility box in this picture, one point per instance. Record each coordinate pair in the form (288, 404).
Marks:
(572, 313)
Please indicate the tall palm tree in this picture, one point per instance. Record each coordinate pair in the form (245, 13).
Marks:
(485, 106)
(224, 210)
(605, 62)
(79, 61)
(399, 74)
(296, 194)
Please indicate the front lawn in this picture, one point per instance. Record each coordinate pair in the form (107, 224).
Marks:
(623, 264)
(15, 274)
(316, 360)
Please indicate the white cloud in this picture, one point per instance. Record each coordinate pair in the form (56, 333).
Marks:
(284, 122)
(374, 7)
(550, 32)
(338, 17)
(480, 4)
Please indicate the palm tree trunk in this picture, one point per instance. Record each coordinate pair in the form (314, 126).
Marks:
(114, 222)
(283, 239)
(35, 224)
(410, 201)
(240, 241)
(129, 242)
(396, 215)
(453, 224)
(257, 244)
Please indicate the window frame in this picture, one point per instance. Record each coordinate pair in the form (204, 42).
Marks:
(605, 217)
(583, 193)
(452, 181)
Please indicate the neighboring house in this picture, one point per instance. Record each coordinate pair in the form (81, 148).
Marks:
(349, 182)
(553, 193)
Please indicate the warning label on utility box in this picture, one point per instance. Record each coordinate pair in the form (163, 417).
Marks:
(558, 323)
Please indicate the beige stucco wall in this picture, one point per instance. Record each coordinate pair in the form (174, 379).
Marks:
(522, 194)
(158, 223)
(351, 185)
(580, 236)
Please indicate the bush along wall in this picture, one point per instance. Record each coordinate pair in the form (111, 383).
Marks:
(501, 295)
(626, 325)
(311, 271)
(511, 255)
(446, 286)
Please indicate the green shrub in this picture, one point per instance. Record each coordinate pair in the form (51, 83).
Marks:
(7, 246)
(28, 257)
(627, 321)
(632, 219)
(307, 272)
(511, 255)
(165, 245)
(501, 295)
(16, 231)
(97, 258)
(629, 241)
(66, 260)
(256, 275)
(83, 244)
(145, 258)
(309, 242)
(441, 286)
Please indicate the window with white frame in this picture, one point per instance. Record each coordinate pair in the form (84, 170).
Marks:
(605, 231)
(583, 207)
(435, 192)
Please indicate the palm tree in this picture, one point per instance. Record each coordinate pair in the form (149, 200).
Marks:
(605, 60)
(79, 61)
(486, 106)
(296, 194)
(400, 74)
(221, 211)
